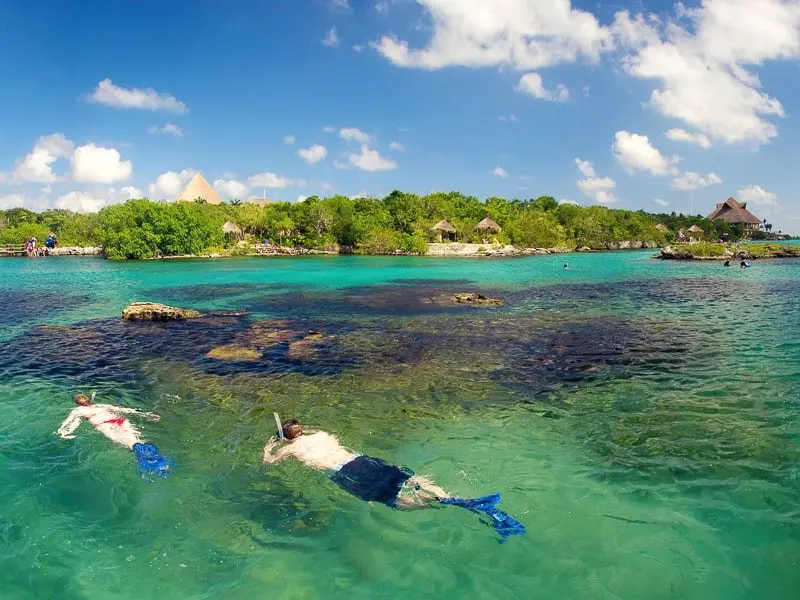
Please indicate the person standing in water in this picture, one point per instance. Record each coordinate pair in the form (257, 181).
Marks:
(372, 479)
(107, 420)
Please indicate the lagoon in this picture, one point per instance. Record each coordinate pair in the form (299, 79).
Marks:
(640, 417)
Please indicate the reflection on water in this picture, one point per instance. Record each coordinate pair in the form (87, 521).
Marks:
(644, 427)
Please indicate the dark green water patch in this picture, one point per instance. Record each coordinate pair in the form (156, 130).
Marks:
(210, 292)
(19, 306)
(391, 300)
(421, 281)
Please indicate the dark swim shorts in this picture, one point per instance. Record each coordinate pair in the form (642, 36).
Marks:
(371, 479)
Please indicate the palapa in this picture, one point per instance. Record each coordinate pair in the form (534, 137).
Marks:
(695, 229)
(487, 225)
(735, 213)
(662, 228)
(231, 228)
(443, 226)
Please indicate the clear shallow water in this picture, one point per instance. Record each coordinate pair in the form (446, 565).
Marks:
(640, 417)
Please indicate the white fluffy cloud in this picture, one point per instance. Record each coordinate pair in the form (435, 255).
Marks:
(524, 34)
(126, 192)
(661, 202)
(341, 4)
(370, 160)
(273, 181)
(756, 194)
(329, 129)
(170, 184)
(12, 201)
(313, 154)
(331, 39)
(86, 202)
(353, 134)
(680, 135)
(532, 84)
(501, 172)
(301, 198)
(693, 181)
(397, 146)
(147, 99)
(504, 118)
(289, 140)
(168, 129)
(634, 152)
(701, 60)
(230, 188)
(37, 166)
(95, 164)
(80, 202)
(597, 188)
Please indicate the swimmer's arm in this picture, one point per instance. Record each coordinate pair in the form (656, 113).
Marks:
(269, 457)
(70, 424)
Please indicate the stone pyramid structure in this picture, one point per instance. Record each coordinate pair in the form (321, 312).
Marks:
(199, 188)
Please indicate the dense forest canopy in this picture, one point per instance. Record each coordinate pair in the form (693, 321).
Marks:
(400, 221)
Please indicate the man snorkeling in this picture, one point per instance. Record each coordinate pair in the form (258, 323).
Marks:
(372, 479)
(107, 420)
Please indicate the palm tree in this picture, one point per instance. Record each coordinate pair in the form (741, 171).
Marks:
(235, 202)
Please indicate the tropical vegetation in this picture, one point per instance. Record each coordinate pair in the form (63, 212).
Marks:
(400, 222)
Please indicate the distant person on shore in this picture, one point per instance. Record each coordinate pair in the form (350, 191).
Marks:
(50, 243)
(30, 246)
(107, 420)
(372, 479)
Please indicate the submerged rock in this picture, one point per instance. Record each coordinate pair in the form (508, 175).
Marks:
(234, 354)
(152, 311)
(309, 346)
(475, 299)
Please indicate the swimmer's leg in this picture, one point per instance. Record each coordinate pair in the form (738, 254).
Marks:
(420, 492)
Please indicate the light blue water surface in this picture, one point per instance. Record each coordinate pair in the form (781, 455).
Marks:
(639, 416)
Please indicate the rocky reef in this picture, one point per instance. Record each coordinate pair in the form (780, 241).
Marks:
(153, 311)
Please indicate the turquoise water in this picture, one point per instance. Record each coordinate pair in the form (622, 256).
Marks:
(640, 417)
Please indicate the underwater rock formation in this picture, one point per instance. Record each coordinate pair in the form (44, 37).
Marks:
(152, 311)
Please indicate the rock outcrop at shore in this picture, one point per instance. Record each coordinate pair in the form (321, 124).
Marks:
(152, 311)
(460, 249)
(77, 251)
(709, 251)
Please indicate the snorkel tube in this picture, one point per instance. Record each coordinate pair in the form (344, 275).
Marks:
(280, 427)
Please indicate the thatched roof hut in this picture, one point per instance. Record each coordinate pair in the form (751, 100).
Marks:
(694, 229)
(662, 228)
(231, 228)
(443, 226)
(487, 225)
(735, 213)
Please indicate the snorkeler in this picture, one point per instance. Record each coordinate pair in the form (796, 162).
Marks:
(107, 420)
(372, 479)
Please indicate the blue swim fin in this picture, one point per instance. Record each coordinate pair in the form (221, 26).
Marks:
(487, 505)
(150, 460)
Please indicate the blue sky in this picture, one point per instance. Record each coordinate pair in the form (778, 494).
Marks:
(636, 105)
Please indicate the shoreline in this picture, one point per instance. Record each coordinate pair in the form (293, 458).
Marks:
(723, 252)
(435, 250)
